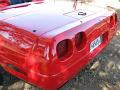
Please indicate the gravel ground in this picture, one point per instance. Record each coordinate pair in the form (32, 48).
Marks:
(101, 74)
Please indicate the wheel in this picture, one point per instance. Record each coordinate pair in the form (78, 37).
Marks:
(6, 78)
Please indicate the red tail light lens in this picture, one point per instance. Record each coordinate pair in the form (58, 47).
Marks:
(64, 48)
(80, 40)
(116, 18)
(111, 21)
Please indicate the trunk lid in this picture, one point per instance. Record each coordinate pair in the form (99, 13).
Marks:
(45, 17)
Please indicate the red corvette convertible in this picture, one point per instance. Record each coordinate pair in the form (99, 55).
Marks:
(47, 44)
(4, 3)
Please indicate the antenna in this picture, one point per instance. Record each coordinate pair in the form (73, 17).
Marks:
(75, 4)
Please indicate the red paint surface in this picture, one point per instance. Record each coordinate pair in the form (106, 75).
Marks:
(29, 36)
(4, 3)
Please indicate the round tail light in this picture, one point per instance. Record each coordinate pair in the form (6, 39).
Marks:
(64, 48)
(80, 40)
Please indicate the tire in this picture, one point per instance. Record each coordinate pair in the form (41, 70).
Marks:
(6, 79)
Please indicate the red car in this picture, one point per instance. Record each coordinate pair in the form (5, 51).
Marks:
(5, 3)
(47, 44)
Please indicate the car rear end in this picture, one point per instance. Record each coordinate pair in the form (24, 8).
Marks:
(52, 58)
(75, 48)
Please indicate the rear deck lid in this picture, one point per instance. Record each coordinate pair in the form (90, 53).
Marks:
(44, 17)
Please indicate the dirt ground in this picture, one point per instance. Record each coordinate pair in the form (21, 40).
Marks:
(104, 74)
